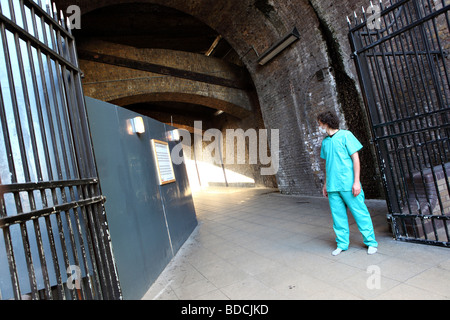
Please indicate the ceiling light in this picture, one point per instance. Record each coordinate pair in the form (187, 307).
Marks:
(274, 50)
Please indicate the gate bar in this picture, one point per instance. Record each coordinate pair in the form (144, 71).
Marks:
(20, 218)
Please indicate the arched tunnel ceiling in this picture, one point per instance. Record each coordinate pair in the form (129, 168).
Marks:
(145, 25)
(151, 26)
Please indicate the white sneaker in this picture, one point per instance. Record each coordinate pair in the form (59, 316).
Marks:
(336, 252)
(372, 250)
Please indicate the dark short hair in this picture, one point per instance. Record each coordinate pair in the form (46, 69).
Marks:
(330, 119)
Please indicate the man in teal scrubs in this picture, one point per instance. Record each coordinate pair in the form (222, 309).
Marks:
(342, 186)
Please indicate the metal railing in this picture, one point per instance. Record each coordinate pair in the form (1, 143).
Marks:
(401, 53)
(54, 240)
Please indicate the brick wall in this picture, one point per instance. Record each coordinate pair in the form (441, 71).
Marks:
(313, 76)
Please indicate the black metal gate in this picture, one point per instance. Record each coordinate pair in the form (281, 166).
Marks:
(401, 54)
(54, 240)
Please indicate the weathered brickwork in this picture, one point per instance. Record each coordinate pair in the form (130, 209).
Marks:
(313, 75)
(121, 85)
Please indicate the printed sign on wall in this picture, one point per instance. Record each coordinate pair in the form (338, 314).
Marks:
(163, 162)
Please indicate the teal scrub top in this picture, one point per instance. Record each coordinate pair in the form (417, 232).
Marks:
(337, 151)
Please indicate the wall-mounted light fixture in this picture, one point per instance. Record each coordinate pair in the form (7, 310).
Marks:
(137, 125)
(173, 135)
(275, 49)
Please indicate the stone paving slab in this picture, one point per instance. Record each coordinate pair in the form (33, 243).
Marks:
(256, 244)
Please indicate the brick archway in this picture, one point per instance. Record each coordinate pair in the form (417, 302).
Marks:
(289, 92)
(126, 75)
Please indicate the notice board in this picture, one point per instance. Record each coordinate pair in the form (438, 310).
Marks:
(163, 162)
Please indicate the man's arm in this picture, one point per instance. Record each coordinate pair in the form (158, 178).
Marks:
(324, 188)
(356, 189)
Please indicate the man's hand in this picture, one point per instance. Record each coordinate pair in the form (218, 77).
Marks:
(356, 189)
(324, 191)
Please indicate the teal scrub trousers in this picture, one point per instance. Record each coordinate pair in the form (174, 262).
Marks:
(339, 201)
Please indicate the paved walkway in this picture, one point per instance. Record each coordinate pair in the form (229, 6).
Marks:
(256, 244)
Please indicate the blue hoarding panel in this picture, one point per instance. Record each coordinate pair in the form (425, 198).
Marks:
(142, 215)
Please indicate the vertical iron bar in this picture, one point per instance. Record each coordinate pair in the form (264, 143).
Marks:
(63, 247)
(6, 138)
(97, 245)
(91, 245)
(59, 283)
(72, 240)
(29, 260)
(115, 292)
(12, 263)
